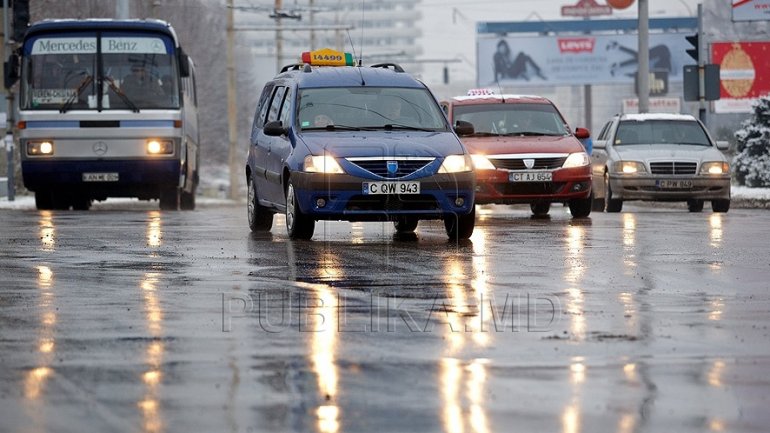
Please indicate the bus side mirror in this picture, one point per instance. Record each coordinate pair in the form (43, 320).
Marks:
(184, 64)
(11, 71)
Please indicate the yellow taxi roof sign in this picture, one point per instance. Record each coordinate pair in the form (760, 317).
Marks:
(327, 57)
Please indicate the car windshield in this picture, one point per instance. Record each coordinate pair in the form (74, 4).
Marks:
(512, 119)
(358, 107)
(682, 132)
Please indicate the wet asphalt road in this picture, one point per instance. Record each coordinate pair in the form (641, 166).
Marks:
(134, 320)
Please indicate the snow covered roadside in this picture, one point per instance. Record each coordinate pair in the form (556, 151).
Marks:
(742, 197)
(27, 202)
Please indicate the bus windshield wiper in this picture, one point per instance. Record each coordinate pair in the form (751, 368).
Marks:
(71, 100)
(121, 94)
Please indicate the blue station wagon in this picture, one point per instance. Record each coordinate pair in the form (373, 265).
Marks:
(355, 143)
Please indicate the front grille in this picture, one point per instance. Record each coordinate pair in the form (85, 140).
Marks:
(380, 167)
(673, 167)
(413, 202)
(529, 188)
(518, 163)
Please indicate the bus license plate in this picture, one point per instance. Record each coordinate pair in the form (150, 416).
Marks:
(100, 177)
(530, 176)
(375, 188)
(675, 184)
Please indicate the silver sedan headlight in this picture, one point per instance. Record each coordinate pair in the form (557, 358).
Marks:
(715, 167)
(630, 167)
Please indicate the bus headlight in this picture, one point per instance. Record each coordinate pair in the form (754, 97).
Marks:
(160, 147)
(35, 148)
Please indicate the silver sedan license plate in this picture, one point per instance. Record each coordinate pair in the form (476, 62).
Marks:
(675, 184)
(375, 188)
(530, 176)
(100, 177)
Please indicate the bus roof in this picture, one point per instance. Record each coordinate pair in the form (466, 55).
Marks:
(57, 25)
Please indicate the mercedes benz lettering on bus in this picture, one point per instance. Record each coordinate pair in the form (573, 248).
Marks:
(107, 109)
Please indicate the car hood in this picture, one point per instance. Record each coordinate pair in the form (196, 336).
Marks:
(646, 152)
(508, 145)
(348, 144)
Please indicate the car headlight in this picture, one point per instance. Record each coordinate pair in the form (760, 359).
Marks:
(715, 167)
(456, 164)
(160, 147)
(629, 167)
(36, 148)
(579, 159)
(322, 164)
(481, 162)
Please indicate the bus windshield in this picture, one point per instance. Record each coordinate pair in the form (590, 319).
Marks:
(106, 71)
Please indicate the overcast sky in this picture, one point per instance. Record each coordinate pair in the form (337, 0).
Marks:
(449, 26)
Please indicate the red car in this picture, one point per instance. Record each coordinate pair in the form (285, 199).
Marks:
(524, 152)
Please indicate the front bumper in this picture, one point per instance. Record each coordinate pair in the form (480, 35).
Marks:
(646, 188)
(136, 178)
(493, 186)
(344, 199)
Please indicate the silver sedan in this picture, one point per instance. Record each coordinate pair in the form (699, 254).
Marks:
(659, 157)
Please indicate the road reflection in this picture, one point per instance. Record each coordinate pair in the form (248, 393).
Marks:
(47, 231)
(629, 243)
(36, 379)
(571, 415)
(575, 270)
(463, 383)
(323, 329)
(152, 377)
(154, 232)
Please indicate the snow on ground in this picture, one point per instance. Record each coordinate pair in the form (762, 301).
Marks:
(758, 196)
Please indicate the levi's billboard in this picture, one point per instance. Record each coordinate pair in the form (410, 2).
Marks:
(575, 59)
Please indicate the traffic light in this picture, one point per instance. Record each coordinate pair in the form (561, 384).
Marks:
(695, 51)
(20, 19)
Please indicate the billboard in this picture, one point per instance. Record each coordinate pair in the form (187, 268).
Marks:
(751, 10)
(744, 74)
(575, 60)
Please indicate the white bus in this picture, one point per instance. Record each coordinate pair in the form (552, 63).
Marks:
(107, 108)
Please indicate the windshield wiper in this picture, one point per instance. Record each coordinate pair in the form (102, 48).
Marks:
(71, 100)
(391, 126)
(532, 134)
(335, 127)
(121, 95)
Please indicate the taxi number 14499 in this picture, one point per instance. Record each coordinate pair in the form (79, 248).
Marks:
(373, 188)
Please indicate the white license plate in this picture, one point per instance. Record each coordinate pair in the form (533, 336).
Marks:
(675, 184)
(530, 176)
(374, 188)
(100, 177)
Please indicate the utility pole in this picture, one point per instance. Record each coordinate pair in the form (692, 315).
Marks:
(7, 137)
(278, 37)
(643, 73)
(312, 23)
(232, 125)
(701, 67)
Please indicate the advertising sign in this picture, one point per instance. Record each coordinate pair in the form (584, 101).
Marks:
(575, 60)
(751, 10)
(586, 8)
(744, 74)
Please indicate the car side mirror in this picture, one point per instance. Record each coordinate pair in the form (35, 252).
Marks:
(600, 144)
(582, 133)
(464, 128)
(723, 145)
(274, 128)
